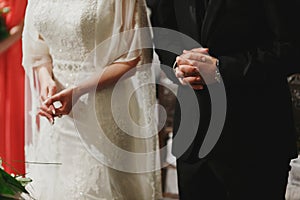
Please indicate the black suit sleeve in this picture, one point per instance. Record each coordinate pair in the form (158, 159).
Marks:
(276, 59)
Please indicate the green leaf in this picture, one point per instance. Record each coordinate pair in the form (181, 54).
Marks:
(9, 185)
(4, 188)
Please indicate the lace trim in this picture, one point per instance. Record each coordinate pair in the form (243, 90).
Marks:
(73, 66)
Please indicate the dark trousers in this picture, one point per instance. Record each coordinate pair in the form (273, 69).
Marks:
(217, 180)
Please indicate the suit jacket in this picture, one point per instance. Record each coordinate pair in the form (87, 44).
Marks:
(256, 43)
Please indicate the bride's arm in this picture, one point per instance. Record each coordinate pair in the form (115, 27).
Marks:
(47, 88)
(37, 63)
(108, 77)
(127, 22)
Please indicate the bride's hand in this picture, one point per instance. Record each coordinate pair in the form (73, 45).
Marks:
(67, 97)
(47, 89)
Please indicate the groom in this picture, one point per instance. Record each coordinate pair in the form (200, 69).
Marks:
(250, 47)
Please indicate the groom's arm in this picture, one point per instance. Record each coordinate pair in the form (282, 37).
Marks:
(279, 59)
(262, 62)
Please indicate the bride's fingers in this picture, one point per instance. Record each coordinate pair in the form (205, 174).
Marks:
(51, 100)
(63, 110)
(49, 109)
(51, 90)
(47, 115)
(59, 105)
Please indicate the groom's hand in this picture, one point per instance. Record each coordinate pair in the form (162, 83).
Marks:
(187, 73)
(196, 67)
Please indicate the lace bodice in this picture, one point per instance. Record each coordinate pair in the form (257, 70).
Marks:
(67, 26)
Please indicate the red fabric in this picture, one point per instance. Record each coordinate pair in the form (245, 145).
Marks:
(12, 96)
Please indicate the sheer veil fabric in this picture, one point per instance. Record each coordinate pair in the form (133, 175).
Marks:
(107, 147)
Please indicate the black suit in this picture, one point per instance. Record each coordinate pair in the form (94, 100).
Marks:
(256, 43)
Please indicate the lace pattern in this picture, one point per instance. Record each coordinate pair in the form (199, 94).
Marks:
(77, 20)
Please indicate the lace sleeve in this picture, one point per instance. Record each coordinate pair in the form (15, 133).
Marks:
(35, 50)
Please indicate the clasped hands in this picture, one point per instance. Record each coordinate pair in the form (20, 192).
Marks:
(50, 98)
(196, 68)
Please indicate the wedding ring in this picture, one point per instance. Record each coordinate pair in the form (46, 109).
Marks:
(57, 104)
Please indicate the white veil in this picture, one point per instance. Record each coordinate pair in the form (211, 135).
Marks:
(130, 103)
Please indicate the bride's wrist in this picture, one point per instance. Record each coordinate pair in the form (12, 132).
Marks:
(78, 91)
(44, 72)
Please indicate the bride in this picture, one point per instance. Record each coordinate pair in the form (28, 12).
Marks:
(91, 134)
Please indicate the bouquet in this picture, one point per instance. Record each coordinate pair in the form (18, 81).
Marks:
(12, 187)
(4, 32)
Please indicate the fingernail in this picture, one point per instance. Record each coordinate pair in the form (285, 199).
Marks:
(53, 111)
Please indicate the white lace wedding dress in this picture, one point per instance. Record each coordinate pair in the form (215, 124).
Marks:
(62, 161)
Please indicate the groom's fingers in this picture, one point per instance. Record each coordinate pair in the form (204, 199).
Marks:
(194, 58)
(181, 61)
(197, 87)
(197, 80)
(186, 71)
(199, 50)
